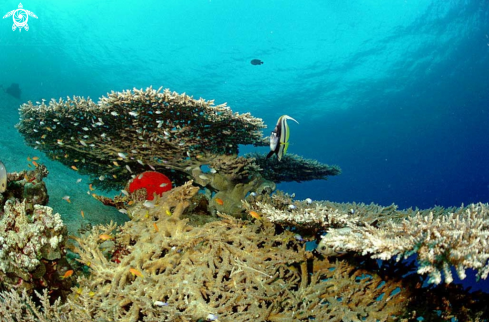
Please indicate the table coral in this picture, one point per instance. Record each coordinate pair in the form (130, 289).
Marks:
(293, 168)
(136, 130)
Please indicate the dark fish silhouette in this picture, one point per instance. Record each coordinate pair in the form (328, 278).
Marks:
(256, 62)
(13, 90)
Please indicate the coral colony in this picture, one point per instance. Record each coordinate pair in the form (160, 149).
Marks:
(209, 238)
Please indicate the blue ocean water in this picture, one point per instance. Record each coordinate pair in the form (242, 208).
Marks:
(394, 92)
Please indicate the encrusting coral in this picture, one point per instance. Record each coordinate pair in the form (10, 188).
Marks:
(28, 185)
(32, 237)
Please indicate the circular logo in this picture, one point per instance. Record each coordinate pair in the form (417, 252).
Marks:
(20, 18)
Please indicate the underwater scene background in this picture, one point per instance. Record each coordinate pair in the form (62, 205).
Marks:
(395, 93)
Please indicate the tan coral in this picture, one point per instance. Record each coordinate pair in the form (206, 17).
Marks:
(135, 130)
(230, 268)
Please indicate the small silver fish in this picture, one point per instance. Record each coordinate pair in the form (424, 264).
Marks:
(114, 113)
(78, 181)
(212, 317)
(133, 113)
(125, 192)
(123, 211)
(122, 155)
(309, 201)
(203, 177)
(253, 194)
(292, 207)
(149, 204)
(212, 170)
(160, 303)
(101, 178)
(128, 168)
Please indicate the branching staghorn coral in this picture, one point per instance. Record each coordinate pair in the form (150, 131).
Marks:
(134, 131)
(157, 267)
(440, 237)
(163, 269)
(456, 239)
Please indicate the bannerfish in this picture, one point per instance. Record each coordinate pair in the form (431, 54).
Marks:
(3, 177)
(256, 62)
(279, 139)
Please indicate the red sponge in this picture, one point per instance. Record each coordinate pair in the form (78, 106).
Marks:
(152, 181)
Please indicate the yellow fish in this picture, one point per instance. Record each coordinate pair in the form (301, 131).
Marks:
(135, 272)
(105, 237)
(255, 215)
(67, 274)
(219, 201)
(74, 168)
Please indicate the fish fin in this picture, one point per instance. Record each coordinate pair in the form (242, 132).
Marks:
(290, 118)
(269, 155)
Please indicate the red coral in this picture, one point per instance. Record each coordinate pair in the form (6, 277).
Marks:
(152, 181)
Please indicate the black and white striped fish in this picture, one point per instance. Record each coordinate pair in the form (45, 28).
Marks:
(279, 139)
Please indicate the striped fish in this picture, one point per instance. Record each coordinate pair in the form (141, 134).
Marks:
(279, 139)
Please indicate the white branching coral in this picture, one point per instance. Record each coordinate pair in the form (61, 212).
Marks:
(302, 214)
(456, 239)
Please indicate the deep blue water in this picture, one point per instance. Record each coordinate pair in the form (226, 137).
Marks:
(394, 92)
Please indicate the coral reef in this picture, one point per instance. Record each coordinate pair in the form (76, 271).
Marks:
(160, 268)
(130, 132)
